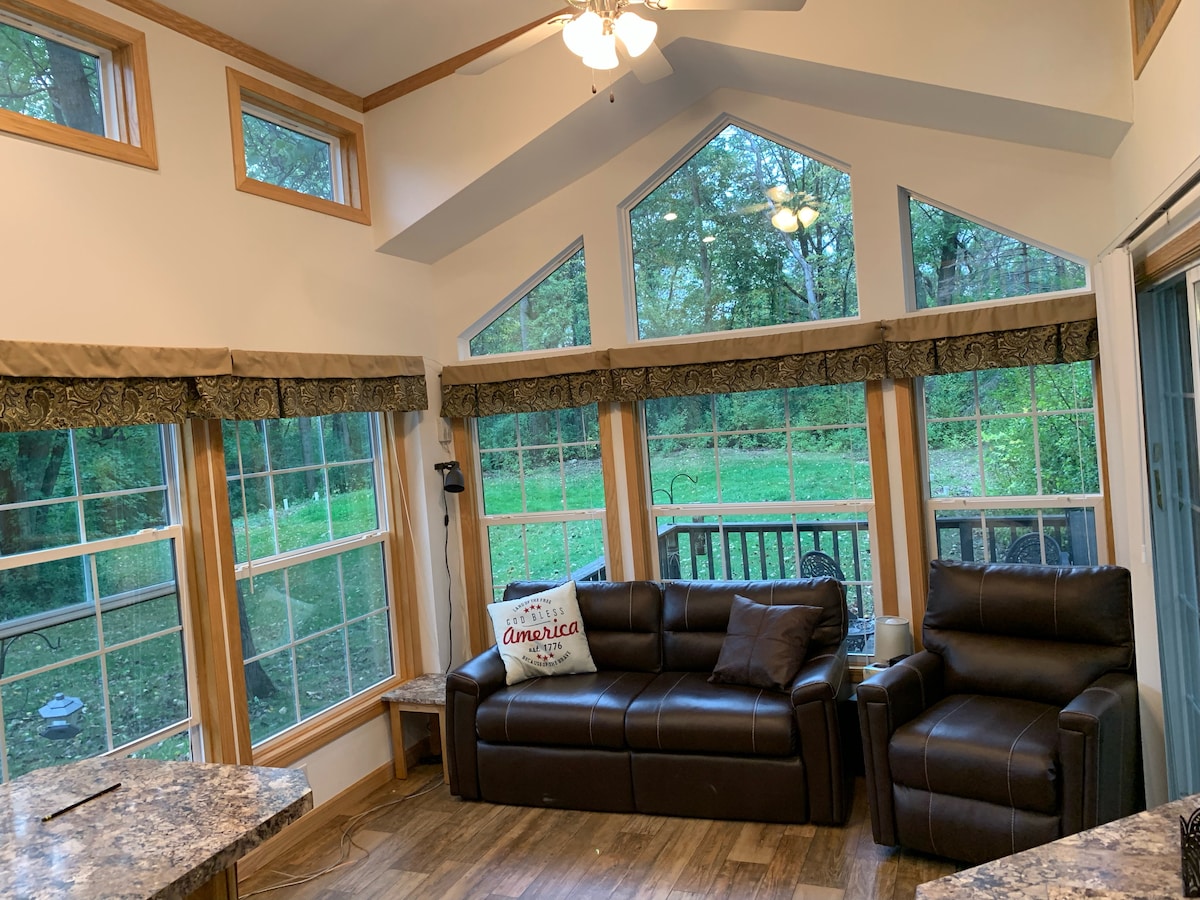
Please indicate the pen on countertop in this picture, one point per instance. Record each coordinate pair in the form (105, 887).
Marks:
(99, 793)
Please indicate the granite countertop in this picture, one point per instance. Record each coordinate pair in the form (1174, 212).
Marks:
(167, 830)
(429, 690)
(1135, 858)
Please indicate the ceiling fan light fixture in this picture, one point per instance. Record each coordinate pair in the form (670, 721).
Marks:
(807, 215)
(636, 33)
(785, 220)
(583, 34)
(603, 54)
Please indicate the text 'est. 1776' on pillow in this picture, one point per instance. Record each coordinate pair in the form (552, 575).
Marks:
(541, 634)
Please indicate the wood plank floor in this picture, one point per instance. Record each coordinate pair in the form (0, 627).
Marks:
(436, 846)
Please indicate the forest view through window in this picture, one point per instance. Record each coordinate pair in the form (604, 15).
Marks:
(552, 314)
(51, 80)
(746, 233)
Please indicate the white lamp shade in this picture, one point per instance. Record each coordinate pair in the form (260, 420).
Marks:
(807, 215)
(892, 638)
(636, 33)
(604, 54)
(583, 33)
(785, 220)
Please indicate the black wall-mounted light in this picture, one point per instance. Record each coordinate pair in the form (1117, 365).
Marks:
(452, 477)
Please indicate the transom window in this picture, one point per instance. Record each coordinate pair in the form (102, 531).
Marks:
(296, 152)
(551, 314)
(93, 618)
(72, 77)
(311, 556)
(746, 233)
(1013, 465)
(764, 484)
(543, 496)
(956, 260)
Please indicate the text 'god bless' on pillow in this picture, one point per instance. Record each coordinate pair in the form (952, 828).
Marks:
(541, 634)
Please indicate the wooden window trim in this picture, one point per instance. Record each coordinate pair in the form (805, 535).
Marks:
(356, 207)
(912, 485)
(884, 544)
(475, 589)
(128, 49)
(637, 474)
(1141, 55)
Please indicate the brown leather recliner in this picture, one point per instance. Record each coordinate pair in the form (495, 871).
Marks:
(1017, 724)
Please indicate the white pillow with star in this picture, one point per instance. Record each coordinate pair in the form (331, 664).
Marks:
(541, 634)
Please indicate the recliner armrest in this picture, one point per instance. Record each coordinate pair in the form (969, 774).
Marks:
(820, 678)
(1098, 750)
(466, 687)
(885, 702)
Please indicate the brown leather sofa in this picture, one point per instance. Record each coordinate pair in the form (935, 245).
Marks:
(647, 732)
(1017, 724)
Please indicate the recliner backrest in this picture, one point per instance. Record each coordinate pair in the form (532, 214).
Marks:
(622, 620)
(696, 615)
(1038, 632)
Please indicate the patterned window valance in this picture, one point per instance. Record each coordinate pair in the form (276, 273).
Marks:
(962, 339)
(265, 385)
(49, 386)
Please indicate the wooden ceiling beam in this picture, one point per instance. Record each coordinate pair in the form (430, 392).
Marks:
(450, 66)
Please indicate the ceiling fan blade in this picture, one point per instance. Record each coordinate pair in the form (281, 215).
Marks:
(651, 65)
(779, 5)
(505, 51)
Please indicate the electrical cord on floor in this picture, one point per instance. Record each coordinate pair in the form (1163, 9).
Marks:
(449, 585)
(345, 843)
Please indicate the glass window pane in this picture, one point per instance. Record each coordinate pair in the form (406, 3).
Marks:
(294, 442)
(49, 80)
(141, 619)
(752, 472)
(253, 517)
(28, 748)
(1065, 387)
(30, 528)
(1005, 391)
(502, 483)
(956, 260)
(263, 613)
(314, 596)
(953, 459)
(362, 576)
(301, 510)
(106, 517)
(751, 410)
(245, 446)
(147, 688)
(746, 233)
(177, 747)
(270, 688)
(287, 158)
(322, 672)
(1029, 536)
(352, 499)
(497, 431)
(1009, 462)
(115, 459)
(682, 470)
(831, 464)
(552, 314)
(1068, 455)
(370, 651)
(950, 396)
(347, 437)
(37, 465)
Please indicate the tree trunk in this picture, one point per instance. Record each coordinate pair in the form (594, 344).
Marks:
(70, 90)
(258, 682)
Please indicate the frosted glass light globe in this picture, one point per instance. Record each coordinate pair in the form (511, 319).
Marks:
(636, 33)
(583, 33)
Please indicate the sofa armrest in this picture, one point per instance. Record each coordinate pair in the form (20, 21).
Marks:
(466, 687)
(1098, 750)
(886, 701)
(814, 702)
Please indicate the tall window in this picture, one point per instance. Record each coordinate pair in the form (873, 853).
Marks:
(93, 641)
(543, 496)
(1013, 466)
(746, 233)
(956, 260)
(310, 545)
(764, 484)
(296, 152)
(552, 314)
(72, 77)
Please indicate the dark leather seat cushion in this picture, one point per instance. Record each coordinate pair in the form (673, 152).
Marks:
(682, 712)
(994, 749)
(586, 710)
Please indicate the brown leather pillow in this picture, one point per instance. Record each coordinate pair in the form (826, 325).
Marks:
(764, 645)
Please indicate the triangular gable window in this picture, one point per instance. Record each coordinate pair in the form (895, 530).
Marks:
(550, 315)
(747, 233)
(956, 260)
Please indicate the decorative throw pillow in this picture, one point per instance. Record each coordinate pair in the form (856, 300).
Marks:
(764, 645)
(541, 634)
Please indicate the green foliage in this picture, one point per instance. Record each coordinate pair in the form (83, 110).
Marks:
(287, 158)
(707, 258)
(553, 314)
(49, 80)
(956, 260)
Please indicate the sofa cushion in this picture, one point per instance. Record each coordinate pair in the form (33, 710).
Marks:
(623, 620)
(696, 615)
(683, 712)
(764, 645)
(995, 749)
(569, 710)
(541, 634)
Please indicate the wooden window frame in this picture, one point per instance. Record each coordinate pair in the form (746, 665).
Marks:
(131, 77)
(1142, 52)
(351, 158)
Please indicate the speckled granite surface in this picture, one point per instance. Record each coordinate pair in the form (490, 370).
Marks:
(427, 689)
(1135, 858)
(167, 830)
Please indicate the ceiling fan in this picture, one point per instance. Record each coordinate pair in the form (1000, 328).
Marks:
(601, 32)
